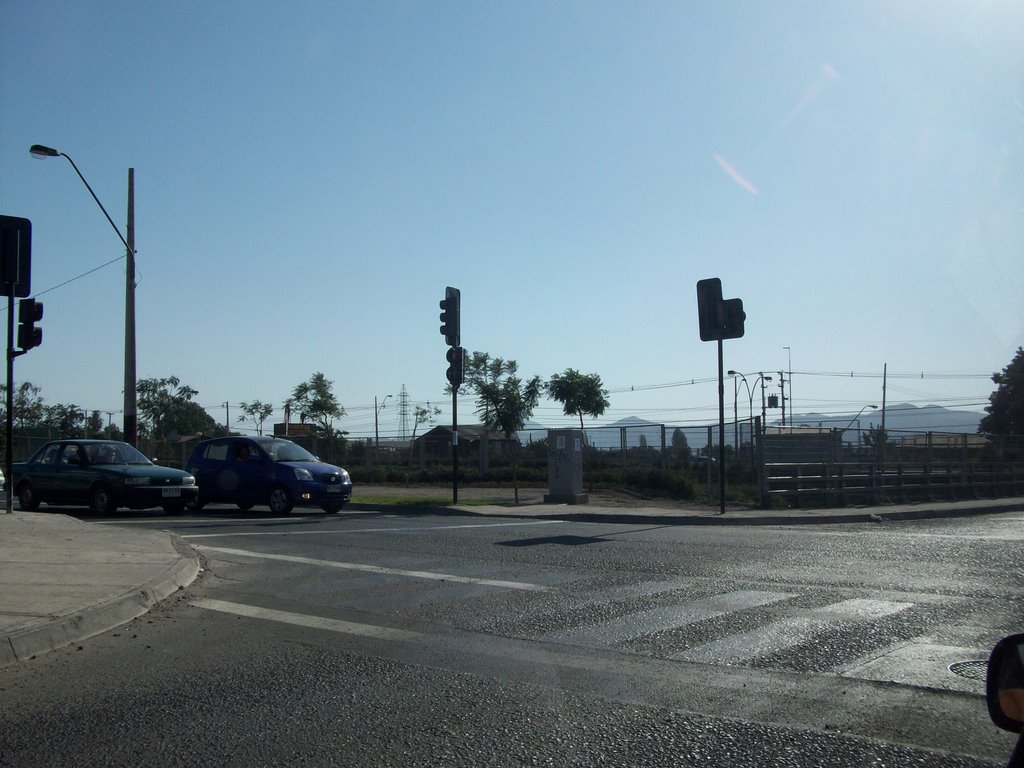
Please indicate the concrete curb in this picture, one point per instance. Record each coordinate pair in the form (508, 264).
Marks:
(705, 517)
(102, 617)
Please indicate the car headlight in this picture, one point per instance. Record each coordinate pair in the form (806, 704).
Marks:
(303, 474)
(188, 480)
(344, 477)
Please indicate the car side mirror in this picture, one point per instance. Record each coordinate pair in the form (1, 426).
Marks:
(1004, 683)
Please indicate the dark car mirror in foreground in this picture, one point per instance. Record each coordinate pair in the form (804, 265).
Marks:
(1004, 688)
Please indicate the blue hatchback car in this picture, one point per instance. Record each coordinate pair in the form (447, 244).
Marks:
(269, 471)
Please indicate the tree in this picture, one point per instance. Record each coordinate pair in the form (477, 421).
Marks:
(315, 400)
(504, 401)
(256, 412)
(579, 393)
(28, 404)
(1006, 405)
(421, 415)
(166, 406)
(64, 420)
(94, 424)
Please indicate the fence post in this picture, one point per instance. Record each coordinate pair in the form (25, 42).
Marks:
(708, 452)
(664, 450)
(760, 469)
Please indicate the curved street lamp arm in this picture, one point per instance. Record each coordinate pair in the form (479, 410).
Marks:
(127, 247)
(38, 150)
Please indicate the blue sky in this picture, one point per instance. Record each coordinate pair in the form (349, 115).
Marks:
(310, 176)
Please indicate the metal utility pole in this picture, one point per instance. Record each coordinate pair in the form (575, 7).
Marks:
(782, 387)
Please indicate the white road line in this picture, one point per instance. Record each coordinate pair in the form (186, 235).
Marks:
(378, 569)
(347, 531)
(303, 620)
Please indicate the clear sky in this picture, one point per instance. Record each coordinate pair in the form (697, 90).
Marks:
(311, 175)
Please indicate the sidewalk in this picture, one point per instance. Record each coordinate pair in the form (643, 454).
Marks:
(63, 580)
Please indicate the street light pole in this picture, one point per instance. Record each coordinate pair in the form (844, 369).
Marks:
(376, 411)
(130, 404)
(735, 414)
(764, 412)
(792, 412)
(858, 416)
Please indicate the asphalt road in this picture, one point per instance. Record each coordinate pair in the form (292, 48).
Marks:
(379, 640)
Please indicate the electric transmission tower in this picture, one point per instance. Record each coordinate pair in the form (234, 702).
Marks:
(403, 412)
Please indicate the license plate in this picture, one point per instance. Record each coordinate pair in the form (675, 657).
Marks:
(334, 489)
(172, 493)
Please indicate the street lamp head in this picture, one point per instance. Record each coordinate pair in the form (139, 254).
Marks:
(731, 373)
(39, 151)
(873, 406)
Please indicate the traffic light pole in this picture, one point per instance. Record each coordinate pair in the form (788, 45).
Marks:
(455, 445)
(9, 418)
(451, 323)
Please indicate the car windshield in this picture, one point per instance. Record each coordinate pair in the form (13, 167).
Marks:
(114, 453)
(284, 450)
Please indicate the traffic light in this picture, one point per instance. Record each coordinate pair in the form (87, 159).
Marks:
(30, 312)
(709, 302)
(732, 318)
(456, 367)
(718, 318)
(450, 317)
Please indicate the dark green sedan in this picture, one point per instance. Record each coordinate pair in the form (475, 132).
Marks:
(103, 474)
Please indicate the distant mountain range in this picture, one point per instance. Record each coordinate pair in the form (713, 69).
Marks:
(902, 417)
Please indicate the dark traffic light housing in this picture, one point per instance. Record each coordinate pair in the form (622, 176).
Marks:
(30, 312)
(450, 316)
(456, 366)
(718, 318)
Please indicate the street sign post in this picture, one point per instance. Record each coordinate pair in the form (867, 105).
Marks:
(719, 319)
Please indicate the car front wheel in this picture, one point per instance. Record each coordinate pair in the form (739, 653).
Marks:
(280, 500)
(102, 500)
(27, 497)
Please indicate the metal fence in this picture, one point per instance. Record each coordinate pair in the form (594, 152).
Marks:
(833, 467)
(797, 466)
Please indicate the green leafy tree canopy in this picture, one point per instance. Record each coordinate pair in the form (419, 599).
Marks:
(314, 400)
(579, 393)
(166, 406)
(257, 412)
(1005, 411)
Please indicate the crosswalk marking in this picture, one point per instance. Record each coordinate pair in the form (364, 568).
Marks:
(430, 575)
(786, 633)
(774, 624)
(670, 617)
